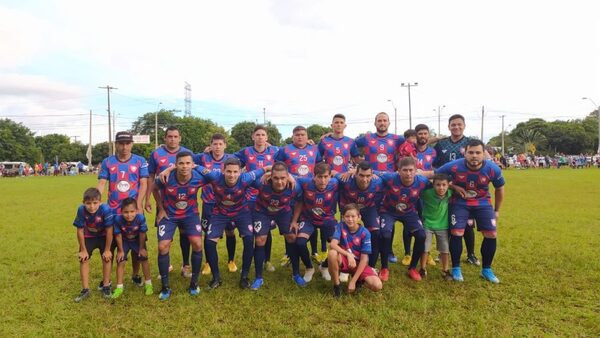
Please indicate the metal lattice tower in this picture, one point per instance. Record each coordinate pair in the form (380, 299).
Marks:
(188, 99)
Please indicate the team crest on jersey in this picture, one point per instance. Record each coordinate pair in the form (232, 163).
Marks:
(98, 219)
(338, 160)
(192, 190)
(401, 206)
(311, 153)
(461, 177)
(268, 157)
(346, 146)
(471, 193)
(328, 195)
(395, 190)
(382, 158)
(427, 158)
(293, 154)
(133, 168)
(181, 205)
(329, 145)
(390, 142)
(113, 168)
(303, 170)
(356, 240)
(162, 160)
(251, 158)
(414, 192)
(483, 180)
(123, 186)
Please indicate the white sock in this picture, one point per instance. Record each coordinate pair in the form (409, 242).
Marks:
(148, 282)
(119, 286)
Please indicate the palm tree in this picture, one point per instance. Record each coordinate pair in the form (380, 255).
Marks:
(528, 138)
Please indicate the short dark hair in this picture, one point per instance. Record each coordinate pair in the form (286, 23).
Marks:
(128, 201)
(440, 177)
(420, 127)
(218, 136)
(474, 143)
(232, 161)
(407, 161)
(456, 116)
(410, 132)
(91, 194)
(260, 127)
(298, 128)
(339, 116)
(183, 154)
(279, 166)
(363, 165)
(171, 128)
(321, 168)
(350, 206)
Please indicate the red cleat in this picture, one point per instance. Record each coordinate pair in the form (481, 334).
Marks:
(384, 275)
(414, 275)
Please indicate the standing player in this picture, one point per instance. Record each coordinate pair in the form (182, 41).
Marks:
(399, 204)
(178, 207)
(160, 159)
(127, 176)
(474, 174)
(450, 149)
(336, 149)
(256, 157)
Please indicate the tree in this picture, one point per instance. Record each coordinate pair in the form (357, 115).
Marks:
(145, 125)
(17, 143)
(528, 139)
(196, 133)
(315, 132)
(242, 133)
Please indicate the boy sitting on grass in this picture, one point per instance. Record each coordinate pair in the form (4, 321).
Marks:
(130, 234)
(435, 220)
(94, 223)
(349, 253)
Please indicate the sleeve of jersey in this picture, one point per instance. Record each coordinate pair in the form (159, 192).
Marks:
(116, 228)
(241, 155)
(103, 174)
(143, 168)
(360, 141)
(445, 169)
(319, 157)
(321, 148)
(196, 159)
(354, 150)
(251, 176)
(385, 176)
(337, 234)
(109, 215)
(152, 163)
(366, 244)
(78, 221)
(280, 155)
(426, 181)
(159, 183)
(498, 179)
(143, 225)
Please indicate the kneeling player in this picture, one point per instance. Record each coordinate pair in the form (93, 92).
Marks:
(350, 249)
(130, 234)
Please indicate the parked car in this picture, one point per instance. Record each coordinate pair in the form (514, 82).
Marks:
(11, 169)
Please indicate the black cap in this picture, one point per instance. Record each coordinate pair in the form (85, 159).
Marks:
(124, 136)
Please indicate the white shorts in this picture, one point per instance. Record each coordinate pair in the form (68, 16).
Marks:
(441, 238)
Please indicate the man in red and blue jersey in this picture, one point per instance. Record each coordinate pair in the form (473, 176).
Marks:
(229, 189)
(474, 174)
(399, 204)
(160, 159)
(336, 149)
(178, 207)
(259, 155)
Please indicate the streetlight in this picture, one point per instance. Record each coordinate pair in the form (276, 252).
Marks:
(395, 117)
(439, 111)
(156, 125)
(597, 111)
(409, 106)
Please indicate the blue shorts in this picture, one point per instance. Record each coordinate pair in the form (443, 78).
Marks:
(410, 220)
(328, 228)
(305, 227)
(207, 210)
(484, 216)
(133, 246)
(218, 223)
(264, 223)
(370, 218)
(190, 225)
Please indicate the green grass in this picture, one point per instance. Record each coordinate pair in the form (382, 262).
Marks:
(547, 260)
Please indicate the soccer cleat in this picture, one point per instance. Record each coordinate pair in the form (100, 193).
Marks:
(85, 293)
(423, 273)
(438, 258)
(194, 290)
(457, 274)
(269, 266)
(214, 283)
(244, 283)
(337, 291)
(285, 261)
(165, 293)
(186, 271)
(344, 277)
(101, 285)
(299, 280)
(488, 275)
(472, 259)
(406, 260)
(447, 276)
(106, 292)
(393, 259)
(231, 266)
(170, 268)
(325, 273)
(323, 256)
(414, 275)
(430, 261)
(308, 274)
(148, 290)
(257, 284)
(137, 280)
(117, 293)
(206, 269)
(316, 258)
(384, 274)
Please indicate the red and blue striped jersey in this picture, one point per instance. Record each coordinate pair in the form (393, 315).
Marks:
(94, 225)
(209, 162)
(476, 183)
(230, 201)
(180, 200)
(371, 197)
(380, 151)
(318, 206)
(130, 231)
(271, 202)
(357, 243)
(123, 178)
(338, 152)
(426, 158)
(401, 199)
(252, 159)
(300, 161)
(161, 159)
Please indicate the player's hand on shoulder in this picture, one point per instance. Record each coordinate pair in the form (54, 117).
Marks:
(325, 135)
(265, 178)
(207, 149)
(291, 181)
(459, 190)
(345, 177)
(311, 142)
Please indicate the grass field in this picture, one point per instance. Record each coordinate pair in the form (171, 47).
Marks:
(547, 261)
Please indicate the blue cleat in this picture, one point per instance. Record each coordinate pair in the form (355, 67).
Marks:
(299, 280)
(257, 284)
(194, 290)
(165, 293)
(488, 275)
(457, 274)
(392, 258)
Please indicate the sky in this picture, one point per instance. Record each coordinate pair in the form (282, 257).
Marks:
(301, 60)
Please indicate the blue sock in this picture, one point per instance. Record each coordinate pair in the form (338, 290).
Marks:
(303, 252)
(313, 243)
(247, 255)
(418, 248)
(230, 241)
(374, 248)
(488, 250)
(455, 250)
(185, 245)
(268, 246)
(406, 238)
(386, 246)
(292, 252)
(196, 264)
(259, 259)
(164, 261)
(213, 258)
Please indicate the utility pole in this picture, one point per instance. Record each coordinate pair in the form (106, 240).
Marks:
(502, 135)
(439, 111)
(89, 150)
(409, 104)
(110, 139)
(264, 116)
(156, 125)
(395, 117)
(188, 100)
(482, 117)
(114, 129)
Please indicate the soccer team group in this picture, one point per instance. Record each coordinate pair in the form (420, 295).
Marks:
(377, 180)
